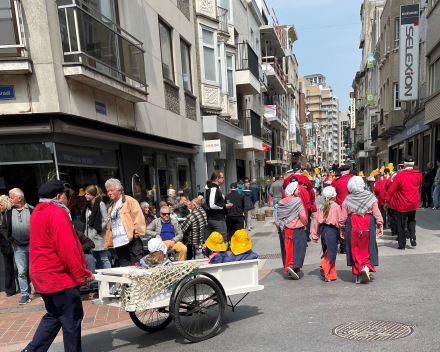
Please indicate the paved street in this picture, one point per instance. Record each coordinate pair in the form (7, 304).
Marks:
(300, 315)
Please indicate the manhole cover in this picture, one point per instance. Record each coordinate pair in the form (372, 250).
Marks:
(262, 234)
(373, 330)
(26, 309)
(269, 256)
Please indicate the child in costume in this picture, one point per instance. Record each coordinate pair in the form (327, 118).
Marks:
(241, 247)
(215, 249)
(158, 255)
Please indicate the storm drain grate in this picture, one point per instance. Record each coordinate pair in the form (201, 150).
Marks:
(262, 234)
(373, 330)
(269, 256)
(26, 309)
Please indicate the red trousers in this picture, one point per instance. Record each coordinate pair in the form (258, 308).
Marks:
(288, 245)
(360, 244)
(329, 268)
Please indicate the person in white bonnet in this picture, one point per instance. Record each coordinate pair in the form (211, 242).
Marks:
(158, 254)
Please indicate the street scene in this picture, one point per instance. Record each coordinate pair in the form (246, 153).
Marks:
(260, 175)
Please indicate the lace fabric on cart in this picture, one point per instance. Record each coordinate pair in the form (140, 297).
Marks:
(154, 281)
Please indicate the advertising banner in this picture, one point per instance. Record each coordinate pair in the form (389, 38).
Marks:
(371, 61)
(213, 145)
(353, 113)
(370, 99)
(409, 53)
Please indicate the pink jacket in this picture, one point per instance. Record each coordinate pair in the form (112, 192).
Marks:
(332, 219)
(345, 213)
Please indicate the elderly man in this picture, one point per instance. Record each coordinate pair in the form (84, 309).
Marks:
(169, 231)
(15, 227)
(194, 226)
(256, 196)
(184, 210)
(126, 225)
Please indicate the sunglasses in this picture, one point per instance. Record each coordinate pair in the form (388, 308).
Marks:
(165, 213)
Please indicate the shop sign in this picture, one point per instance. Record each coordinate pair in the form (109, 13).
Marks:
(370, 99)
(353, 113)
(409, 52)
(410, 131)
(307, 125)
(93, 158)
(136, 187)
(100, 108)
(7, 93)
(371, 61)
(211, 146)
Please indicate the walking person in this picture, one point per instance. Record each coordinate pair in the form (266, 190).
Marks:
(436, 192)
(326, 226)
(126, 225)
(256, 195)
(318, 185)
(16, 228)
(292, 220)
(235, 217)
(248, 198)
(95, 218)
(7, 250)
(428, 182)
(217, 206)
(380, 193)
(405, 190)
(193, 228)
(57, 268)
(276, 192)
(360, 216)
(391, 205)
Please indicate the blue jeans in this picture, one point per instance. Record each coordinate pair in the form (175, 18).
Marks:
(436, 196)
(275, 206)
(102, 261)
(21, 256)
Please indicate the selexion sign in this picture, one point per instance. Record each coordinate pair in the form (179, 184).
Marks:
(409, 53)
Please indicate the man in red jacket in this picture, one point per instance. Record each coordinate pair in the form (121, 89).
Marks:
(57, 267)
(405, 191)
(380, 193)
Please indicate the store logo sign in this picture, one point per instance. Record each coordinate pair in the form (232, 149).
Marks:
(211, 146)
(100, 108)
(7, 93)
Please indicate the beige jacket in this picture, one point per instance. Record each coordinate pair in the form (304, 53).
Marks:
(132, 218)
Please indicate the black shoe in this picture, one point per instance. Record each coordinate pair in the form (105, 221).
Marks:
(413, 243)
(309, 239)
(401, 247)
(11, 294)
(342, 252)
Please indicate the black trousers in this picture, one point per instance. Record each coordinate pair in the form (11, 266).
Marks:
(392, 216)
(131, 253)
(10, 277)
(384, 216)
(406, 219)
(233, 224)
(64, 310)
(426, 195)
(309, 217)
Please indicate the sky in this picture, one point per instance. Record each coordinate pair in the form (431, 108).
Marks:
(331, 51)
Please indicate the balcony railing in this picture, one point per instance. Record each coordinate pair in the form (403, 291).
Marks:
(262, 75)
(222, 16)
(93, 40)
(250, 123)
(266, 134)
(12, 37)
(247, 59)
(270, 63)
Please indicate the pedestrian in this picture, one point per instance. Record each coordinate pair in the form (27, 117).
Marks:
(126, 225)
(7, 250)
(148, 216)
(380, 193)
(240, 186)
(235, 218)
(318, 185)
(276, 192)
(217, 206)
(428, 182)
(360, 216)
(436, 192)
(94, 218)
(193, 228)
(335, 167)
(256, 195)
(405, 190)
(57, 268)
(292, 219)
(391, 209)
(326, 226)
(16, 229)
(248, 206)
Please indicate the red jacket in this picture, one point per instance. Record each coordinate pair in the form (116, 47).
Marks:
(305, 198)
(341, 187)
(306, 181)
(392, 203)
(379, 190)
(405, 190)
(56, 259)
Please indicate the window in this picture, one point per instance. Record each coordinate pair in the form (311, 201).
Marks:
(435, 76)
(209, 66)
(396, 97)
(221, 70)
(396, 32)
(8, 25)
(230, 73)
(166, 51)
(185, 53)
(227, 6)
(385, 39)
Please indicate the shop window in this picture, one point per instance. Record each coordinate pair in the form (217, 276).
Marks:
(185, 53)
(166, 51)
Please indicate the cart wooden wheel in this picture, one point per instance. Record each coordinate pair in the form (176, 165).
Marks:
(151, 320)
(198, 309)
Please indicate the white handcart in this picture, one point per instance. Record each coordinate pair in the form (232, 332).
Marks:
(196, 303)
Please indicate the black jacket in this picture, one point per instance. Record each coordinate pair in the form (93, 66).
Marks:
(5, 245)
(428, 178)
(6, 227)
(237, 200)
(216, 202)
(86, 243)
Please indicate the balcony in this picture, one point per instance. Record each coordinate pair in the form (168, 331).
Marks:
(263, 79)
(247, 73)
(100, 53)
(13, 52)
(250, 123)
(266, 135)
(222, 16)
(276, 115)
(276, 78)
(273, 35)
